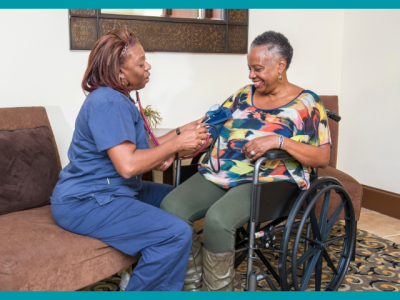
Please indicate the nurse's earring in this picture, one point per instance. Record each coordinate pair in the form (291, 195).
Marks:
(120, 79)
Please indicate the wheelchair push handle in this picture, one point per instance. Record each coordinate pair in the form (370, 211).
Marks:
(335, 117)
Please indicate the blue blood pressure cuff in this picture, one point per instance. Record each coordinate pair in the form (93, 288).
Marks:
(218, 120)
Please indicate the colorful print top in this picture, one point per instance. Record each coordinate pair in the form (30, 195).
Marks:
(303, 119)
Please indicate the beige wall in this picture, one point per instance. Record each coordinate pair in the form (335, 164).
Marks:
(43, 72)
(370, 98)
(317, 40)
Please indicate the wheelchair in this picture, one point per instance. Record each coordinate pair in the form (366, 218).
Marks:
(306, 220)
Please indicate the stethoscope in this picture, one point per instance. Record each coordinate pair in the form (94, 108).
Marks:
(214, 110)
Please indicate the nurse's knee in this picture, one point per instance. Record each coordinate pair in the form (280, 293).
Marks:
(182, 233)
(168, 203)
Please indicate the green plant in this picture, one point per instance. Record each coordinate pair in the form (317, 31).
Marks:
(152, 116)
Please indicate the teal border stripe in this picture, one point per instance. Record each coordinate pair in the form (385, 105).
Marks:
(329, 4)
(287, 4)
(195, 296)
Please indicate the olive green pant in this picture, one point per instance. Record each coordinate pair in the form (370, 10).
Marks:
(224, 210)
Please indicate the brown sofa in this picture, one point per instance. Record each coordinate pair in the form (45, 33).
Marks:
(35, 253)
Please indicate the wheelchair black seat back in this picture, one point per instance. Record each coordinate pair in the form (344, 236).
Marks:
(310, 254)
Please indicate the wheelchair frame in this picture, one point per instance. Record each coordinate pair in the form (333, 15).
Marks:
(298, 210)
(315, 246)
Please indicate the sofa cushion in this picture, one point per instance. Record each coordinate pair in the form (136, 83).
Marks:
(38, 255)
(28, 168)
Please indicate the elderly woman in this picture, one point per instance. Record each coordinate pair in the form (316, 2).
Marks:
(100, 193)
(271, 113)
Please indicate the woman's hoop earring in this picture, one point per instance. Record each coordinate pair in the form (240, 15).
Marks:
(280, 78)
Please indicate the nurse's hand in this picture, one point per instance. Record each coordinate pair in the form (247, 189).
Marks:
(192, 125)
(165, 165)
(191, 140)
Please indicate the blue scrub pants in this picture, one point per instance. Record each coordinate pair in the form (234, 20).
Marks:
(136, 226)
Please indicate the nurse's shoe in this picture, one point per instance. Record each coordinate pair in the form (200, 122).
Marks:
(194, 271)
(219, 271)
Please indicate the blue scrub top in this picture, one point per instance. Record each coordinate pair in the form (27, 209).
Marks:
(106, 119)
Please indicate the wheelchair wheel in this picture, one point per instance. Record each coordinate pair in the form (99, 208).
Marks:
(313, 256)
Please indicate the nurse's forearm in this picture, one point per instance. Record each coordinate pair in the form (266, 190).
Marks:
(185, 153)
(173, 133)
(167, 137)
(129, 161)
(145, 160)
(151, 144)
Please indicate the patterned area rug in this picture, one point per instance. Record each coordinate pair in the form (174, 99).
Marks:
(377, 267)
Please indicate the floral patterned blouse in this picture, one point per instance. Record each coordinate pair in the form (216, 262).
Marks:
(303, 119)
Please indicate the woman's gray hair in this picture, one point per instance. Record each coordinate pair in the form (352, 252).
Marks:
(275, 42)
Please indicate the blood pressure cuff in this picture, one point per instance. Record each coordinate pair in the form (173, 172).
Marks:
(218, 121)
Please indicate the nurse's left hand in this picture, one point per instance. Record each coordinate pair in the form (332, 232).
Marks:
(166, 164)
(192, 125)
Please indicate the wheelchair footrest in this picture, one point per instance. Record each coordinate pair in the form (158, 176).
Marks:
(269, 281)
(255, 247)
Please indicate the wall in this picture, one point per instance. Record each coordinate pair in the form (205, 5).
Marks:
(369, 98)
(317, 40)
(37, 69)
(44, 72)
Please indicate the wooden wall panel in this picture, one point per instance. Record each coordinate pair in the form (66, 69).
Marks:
(83, 33)
(164, 33)
(172, 36)
(237, 39)
(382, 201)
(238, 16)
(83, 12)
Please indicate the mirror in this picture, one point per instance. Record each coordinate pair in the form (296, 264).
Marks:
(212, 14)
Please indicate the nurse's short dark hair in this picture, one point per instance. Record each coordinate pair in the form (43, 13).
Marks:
(105, 60)
(275, 40)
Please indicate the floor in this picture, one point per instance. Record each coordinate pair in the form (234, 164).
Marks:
(380, 225)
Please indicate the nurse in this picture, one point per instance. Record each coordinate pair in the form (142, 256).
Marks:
(100, 193)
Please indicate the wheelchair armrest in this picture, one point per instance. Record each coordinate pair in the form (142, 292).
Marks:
(277, 154)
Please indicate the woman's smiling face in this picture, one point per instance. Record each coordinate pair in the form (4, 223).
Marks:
(135, 71)
(265, 68)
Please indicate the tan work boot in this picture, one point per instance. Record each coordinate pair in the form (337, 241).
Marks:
(194, 271)
(219, 272)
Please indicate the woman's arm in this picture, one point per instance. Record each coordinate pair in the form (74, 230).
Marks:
(129, 161)
(308, 155)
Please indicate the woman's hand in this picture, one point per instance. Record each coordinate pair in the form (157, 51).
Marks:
(192, 140)
(258, 146)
